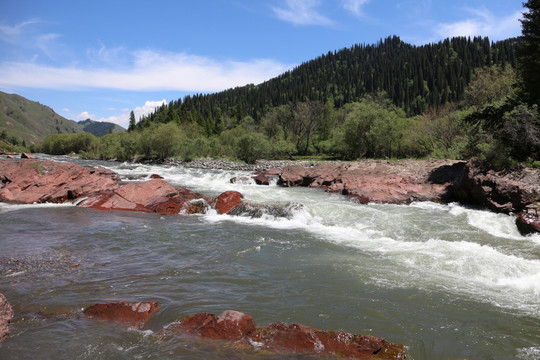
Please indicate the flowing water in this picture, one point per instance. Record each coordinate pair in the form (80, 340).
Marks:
(447, 281)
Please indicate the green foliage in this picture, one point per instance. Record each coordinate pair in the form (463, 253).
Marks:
(132, 122)
(59, 144)
(251, 147)
(528, 55)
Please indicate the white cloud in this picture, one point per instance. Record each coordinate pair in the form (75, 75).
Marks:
(66, 110)
(85, 115)
(150, 70)
(302, 12)
(354, 6)
(483, 23)
(147, 108)
(122, 119)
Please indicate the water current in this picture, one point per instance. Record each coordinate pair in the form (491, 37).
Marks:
(447, 281)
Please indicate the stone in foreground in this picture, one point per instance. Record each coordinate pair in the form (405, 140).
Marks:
(6, 313)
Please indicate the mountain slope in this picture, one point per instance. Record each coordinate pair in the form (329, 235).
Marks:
(31, 121)
(99, 128)
(414, 77)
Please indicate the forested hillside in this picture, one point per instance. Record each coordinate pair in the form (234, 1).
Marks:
(459, 98)
(414, 78)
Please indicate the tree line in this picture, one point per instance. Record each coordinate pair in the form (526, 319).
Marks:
(458, 98)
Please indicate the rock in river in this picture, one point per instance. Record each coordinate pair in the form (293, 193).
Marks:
(6, 313)
(130, 313)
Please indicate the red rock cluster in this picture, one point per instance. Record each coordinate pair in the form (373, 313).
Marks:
(374, 181)
(283, 338)
(240, 328)
(35, 181)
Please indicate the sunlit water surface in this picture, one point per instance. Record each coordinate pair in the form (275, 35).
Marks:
(445, 280)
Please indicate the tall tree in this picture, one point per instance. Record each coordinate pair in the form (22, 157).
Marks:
(131, 121)
(528, 55)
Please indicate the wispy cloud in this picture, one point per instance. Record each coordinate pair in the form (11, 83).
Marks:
(482, 22)
(12, 33)
(149, 70)
(355, 6)
(302, 12)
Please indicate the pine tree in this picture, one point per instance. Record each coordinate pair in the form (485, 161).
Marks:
(528, 54)
(131, 121)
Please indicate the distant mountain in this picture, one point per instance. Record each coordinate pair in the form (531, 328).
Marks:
(31, 121)
(99, 128)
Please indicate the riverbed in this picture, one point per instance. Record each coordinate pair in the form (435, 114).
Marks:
(445, 280)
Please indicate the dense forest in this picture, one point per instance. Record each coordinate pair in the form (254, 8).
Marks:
(458, 98)
(414, 78)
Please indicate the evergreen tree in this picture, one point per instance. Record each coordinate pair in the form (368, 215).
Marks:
(528, 55)
(131, 121)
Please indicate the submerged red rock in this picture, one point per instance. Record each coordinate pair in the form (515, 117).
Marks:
(229, 325)
(283, 338)
(130, 313)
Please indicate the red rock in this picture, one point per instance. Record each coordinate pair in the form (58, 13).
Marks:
(156, 176)
(227, 201)
(149, 196)
(137, 196)
(284, 339)
(9, 156)
(293, 176)
(229, 325)
(130, 313)
(35, 181)
(261, 179)
(377, 181)
(499, 191)
(6, 314)
(280, 337)
(27, 156)
(273, 172)
(528, 223)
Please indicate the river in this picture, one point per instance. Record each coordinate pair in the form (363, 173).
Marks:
(447, 281)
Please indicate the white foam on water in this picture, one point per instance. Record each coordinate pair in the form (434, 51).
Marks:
(431, 246)
(5, 207)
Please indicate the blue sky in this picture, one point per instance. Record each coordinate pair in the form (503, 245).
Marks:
(101, 59)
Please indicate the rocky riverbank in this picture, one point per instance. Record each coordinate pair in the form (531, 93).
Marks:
(378, 181)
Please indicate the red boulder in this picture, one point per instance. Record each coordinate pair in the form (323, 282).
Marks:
(261, 179)
(528, 223)
(130, 313)
(227, 201)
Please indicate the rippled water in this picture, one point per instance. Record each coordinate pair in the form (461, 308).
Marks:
(447, 281)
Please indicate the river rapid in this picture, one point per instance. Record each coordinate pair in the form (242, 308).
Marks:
(447, 281)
